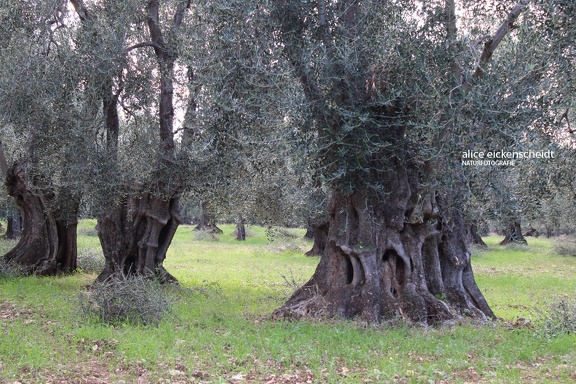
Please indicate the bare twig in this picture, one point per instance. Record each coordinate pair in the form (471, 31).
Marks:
(491, 45)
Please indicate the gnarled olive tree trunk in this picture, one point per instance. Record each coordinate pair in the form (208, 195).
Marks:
(380, 264)
(514, 234)
(241, 230)
(47, 245)
(473, 236)
(207, 220)
(319, 232)
(135, 236)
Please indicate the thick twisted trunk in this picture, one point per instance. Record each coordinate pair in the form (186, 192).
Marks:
(135, 236)
(47, 245)
(381, 262)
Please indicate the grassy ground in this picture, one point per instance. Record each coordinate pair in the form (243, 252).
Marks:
(219, 332)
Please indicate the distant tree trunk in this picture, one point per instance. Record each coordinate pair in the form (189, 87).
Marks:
(14, 226)
(473, 237)
(240, 230)
(135, 236)
(320, 236)
(514, 235)
(549, 232)
(532, 232)
(48, 242)
(207, 221)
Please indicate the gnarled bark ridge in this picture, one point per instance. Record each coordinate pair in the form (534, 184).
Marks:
(135, 236)
(383, 262)
(47, 245)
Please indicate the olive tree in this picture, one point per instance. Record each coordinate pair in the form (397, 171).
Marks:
(40, 131)
(397, 90)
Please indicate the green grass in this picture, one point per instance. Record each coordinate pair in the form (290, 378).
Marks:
(220, 332)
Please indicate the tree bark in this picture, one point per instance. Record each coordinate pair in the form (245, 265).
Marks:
(320, 235)
(514, 235)
(378, 266)
(135, 236)
(47, 245)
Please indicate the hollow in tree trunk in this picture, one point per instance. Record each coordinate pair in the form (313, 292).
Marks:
(378, 264)
(514, 235)
(135, 236)
(47, 245)
(319, 232)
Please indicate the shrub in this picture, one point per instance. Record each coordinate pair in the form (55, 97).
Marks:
(91, 260)
(206, 236)
(6, 245)
(559, 318)
(565, 246)
(9, 268)
(273, 233)
(134, 300)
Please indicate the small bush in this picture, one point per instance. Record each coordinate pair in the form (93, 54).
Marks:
(88, 232)
(273, 233)
(91, 260)
(559, 318)
(518, 246)
(206, 236)
(249, 232)
(9, 268)
(477, 250)
(565, 246)
(6, 245)
(134, 300)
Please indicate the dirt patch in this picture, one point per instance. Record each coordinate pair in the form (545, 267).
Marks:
(9, 312)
